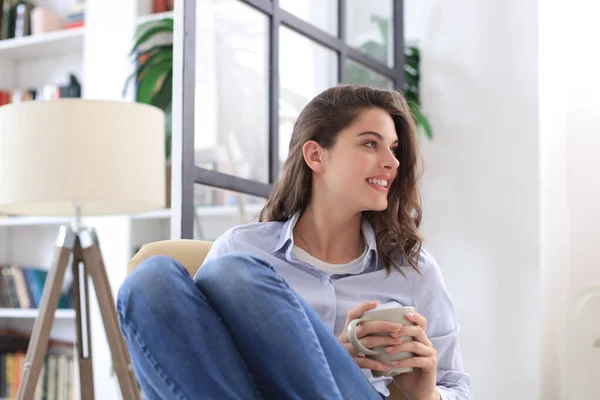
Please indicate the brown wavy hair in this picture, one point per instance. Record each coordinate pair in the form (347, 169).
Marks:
(397, 227)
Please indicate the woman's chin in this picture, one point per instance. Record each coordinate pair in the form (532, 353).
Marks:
(377, 206)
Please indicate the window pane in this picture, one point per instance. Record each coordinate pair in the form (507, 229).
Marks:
(231, 132)
(321, 13)
(359, 74)
(218, 210)
(370, 29)
(305, 69)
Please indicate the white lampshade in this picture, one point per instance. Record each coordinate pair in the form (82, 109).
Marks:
(107, 157)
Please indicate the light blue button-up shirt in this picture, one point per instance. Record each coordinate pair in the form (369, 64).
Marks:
(332, 296)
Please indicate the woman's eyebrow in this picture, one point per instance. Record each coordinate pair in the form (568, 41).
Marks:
(376, 135)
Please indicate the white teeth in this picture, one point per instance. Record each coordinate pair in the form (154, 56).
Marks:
(379, 182)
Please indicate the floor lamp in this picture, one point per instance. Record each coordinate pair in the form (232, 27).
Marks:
(77, 158)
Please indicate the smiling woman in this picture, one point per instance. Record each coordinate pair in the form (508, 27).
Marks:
(273, 299)
(346, 136)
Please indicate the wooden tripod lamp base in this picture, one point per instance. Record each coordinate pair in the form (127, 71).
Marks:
(80, 246)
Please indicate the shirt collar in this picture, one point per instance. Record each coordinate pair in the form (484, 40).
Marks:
(285, 237)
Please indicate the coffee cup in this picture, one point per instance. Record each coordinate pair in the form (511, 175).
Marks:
(392, 314)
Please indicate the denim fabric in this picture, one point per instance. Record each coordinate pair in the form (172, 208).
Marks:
(235, 331)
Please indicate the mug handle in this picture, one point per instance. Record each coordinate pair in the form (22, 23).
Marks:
(354, 340)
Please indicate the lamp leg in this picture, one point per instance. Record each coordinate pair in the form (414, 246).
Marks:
(82, 312)
(120, 354)
(38, 343)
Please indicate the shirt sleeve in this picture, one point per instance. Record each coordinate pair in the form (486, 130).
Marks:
(431, 299)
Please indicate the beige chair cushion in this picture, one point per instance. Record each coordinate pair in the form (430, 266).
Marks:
(191, 254)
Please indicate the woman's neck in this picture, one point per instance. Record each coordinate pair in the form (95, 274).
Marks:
(329, 235)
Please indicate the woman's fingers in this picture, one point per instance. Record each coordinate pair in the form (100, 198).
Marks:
(369, 327)
(419, 349)
(368, 363)
(418, 319)
(417, 333)
(428, 364)
(375, 341)
(372, 342)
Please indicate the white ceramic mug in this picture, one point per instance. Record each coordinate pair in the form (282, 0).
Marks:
(392, 314)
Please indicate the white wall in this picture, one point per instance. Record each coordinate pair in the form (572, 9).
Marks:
(581, 113)
(481, 188)
(512, 186)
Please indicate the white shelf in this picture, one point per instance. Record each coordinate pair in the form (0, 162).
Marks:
(158, 214)
(30, 221)
(154, 17)
(47, 44)
(207, 211)
(32, 313)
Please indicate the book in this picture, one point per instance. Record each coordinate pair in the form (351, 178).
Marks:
(22, 287)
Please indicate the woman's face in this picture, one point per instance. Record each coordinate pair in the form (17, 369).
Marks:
(360, 167)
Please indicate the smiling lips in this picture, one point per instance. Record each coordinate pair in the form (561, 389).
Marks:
(379, 183)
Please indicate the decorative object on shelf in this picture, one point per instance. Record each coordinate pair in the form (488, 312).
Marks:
(44, 20)
(75, 157)
(379, 51)
(46, 92)
(23, 18)
(159, 6)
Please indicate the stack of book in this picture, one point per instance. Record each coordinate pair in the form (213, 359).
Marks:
(56, 379)
(76, 17)
(46, 92)
(22, 287)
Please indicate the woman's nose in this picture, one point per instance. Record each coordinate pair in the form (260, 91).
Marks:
(390, 160)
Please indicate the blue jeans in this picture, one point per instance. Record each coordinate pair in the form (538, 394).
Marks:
(236, 331)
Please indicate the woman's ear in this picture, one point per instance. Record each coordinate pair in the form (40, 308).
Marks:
(313, 155)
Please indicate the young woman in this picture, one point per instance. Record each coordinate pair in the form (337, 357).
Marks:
(266, 315)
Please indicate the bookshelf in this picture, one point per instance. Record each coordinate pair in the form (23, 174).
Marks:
(97, 54)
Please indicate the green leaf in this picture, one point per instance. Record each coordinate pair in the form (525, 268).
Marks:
(424, 124)
(149, 82)
(164, 95)
(150, 62)
(161, 48)
(166, 22)
(159, 55)
(147, 35)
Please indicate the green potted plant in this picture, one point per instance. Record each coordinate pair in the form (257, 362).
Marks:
(153, 72)
(379, 51)
(153, 76)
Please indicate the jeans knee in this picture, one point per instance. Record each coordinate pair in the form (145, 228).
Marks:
(233, 272)
(150, 281)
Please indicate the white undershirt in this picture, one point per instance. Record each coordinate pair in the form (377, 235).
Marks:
(331, 269)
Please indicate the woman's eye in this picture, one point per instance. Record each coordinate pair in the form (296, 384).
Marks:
(370, 144)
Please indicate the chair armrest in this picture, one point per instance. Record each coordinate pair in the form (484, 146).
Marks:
(190, 253)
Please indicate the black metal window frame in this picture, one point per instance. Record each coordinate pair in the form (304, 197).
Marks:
(193, 174)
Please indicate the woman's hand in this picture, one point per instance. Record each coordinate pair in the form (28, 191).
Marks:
(421, 383)
(367, 328)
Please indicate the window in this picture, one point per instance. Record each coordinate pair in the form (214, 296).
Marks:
(255, 64)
